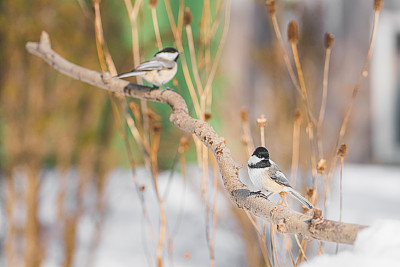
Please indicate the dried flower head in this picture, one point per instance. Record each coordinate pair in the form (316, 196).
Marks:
(378, 5)
(183, 144)
(293, 32)
(244, 115)
(187, 16)
(156, 127)
(262, 121)
(152, 115)
(271, 7)
(329, 39)
(321, 166)
(317, 214)
(310, 192)
(142, 187)
(207, 116)
(297, 115)
(153, 3)
(342, 151)
(133, 106)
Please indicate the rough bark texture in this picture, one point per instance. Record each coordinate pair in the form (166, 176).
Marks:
(286, 220)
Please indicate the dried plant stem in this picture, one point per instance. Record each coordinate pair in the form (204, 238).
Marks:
(363, 74)
(180, 18)
(273, 245)
(247, 139)
(285, 54)
(261, 239)
(324, 98)
(193, 59)
(299, 70)
(295, 151)
(207, 88)
(295, 236)
(214, 208)
(33, 247)
(133, 11)
(287, 220)
(10, 205)
(341, 196)
(156, 29)
(346, 118)
(163, 225)
(204, 153)
(177, 35)
(171, 19)
(289, 65)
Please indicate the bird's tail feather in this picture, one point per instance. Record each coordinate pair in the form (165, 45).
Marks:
(300, 198)
(129, 74)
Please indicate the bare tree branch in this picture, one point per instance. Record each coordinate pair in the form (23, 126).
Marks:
(286, 220)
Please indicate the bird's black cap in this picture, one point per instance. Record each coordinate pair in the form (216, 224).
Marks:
(169, 50)
(261, 152)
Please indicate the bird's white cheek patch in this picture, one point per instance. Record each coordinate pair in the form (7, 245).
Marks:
(253, 160)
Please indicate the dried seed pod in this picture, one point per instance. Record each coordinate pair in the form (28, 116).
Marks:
(321, 166)
(156, 127)
(207, 116)
(153, 3)
(271, 7)
(297, 115)
(244, 116)
(187, 16)
(293, 32)
(310, 192)
(342, 151)
(262, 121)
(329, 39)
(378, 5)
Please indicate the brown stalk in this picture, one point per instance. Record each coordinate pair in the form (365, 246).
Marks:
(262, 122)
(341, 154)
(156, 29)
(247, 140)
(283, 195)
(207, 88)
(288, 221)
(214, 209)
(261, 239)
(133, 12)
(11, 230)
(296, 146)
(329, 39)
(188, 27)
(377, 7)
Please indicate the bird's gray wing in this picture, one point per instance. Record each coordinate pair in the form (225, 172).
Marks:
(155, 64)
(277, 175)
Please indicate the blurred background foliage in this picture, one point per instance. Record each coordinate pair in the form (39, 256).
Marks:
(56, 118)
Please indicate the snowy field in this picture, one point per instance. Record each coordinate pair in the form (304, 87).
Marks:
(371, 196)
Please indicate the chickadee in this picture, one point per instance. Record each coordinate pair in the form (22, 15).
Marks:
(268, 178)
(159, 70)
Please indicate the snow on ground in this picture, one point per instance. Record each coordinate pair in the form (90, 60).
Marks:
(370, 197)
(378, 245)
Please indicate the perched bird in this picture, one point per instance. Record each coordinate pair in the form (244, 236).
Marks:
(159, 70)
(268, 178)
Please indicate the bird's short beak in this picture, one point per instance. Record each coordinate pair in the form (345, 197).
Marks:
(180, 53)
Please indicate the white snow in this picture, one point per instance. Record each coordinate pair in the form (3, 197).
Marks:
(378, 245)
(370, 197)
